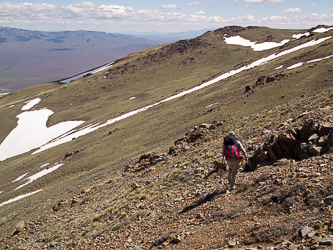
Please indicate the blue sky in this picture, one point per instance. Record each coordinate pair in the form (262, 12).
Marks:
(165, 16)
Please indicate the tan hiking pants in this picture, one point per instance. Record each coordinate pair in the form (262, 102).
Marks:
(233, 164)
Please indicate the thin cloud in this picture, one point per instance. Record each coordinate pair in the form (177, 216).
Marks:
(247, 6)
(85, 4)
(293, 10)
(198, 4)
(314, 4)
(194, 3)
(168, 6)
(207, 6)
(230, 1)
(200, 12)
(264, 1)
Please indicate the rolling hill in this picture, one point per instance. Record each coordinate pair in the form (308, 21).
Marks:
(135, 169)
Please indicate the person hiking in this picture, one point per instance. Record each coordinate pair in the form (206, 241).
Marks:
(232, 149)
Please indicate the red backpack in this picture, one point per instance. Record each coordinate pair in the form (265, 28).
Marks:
(230, 148)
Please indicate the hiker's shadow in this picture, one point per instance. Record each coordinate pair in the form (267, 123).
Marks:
(202, 200)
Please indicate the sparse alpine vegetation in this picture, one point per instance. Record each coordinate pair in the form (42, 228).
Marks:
(154, 180)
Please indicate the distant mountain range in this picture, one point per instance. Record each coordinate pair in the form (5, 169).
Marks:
(35, 57)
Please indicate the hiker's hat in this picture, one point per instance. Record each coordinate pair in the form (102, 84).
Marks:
(232, 133)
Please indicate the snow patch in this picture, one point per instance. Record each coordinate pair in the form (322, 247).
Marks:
(322, 30)
(31, 103)
(320, 59)
(237, 40)
(87, 73)
(132, 98)
(20, 177)
(44, 165)
(295, 65)
(298, 36)
(31, 132)
(3, 94)
(280, 67)
(40, 174)
(19, 197)
(212, 105)
(68, 138)
(314, 60)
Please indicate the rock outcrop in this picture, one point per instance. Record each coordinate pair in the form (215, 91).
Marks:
(300, 138)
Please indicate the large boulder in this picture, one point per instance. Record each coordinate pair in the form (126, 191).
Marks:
(314, 150)
(329, 140)
(258, 157)
(325, 128)
(283, 145)
(307, 130)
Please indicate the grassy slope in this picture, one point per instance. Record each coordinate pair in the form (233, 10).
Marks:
(95, 98)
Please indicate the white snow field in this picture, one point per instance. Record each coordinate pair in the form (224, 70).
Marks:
(20, 177)
(312, 61)
(31, 131)
(40, 174)
(87, 73)
(296, 65)
(320, 59)
(237, 40)
(298, 36)
(19, 197)
(30, 104)
(322, 30)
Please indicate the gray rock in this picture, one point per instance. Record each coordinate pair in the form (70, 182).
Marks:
(306, 230)
(232, 243)
(265, 132)
(321, 142)
(325, 128)
(19, 227)
(314, 138)
(325, 242)
(329, 140)
(328, 200)
(307, 130)
(314, 150)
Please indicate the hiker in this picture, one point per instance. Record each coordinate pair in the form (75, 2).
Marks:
(232, 149)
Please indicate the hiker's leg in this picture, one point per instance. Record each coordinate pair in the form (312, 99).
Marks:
(229, 172)
(235, 169)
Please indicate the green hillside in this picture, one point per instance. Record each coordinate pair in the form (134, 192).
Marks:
(150, 76)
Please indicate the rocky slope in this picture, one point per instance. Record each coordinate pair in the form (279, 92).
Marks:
(179, 199)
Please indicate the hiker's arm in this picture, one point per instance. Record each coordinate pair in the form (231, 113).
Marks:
(242, 148)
